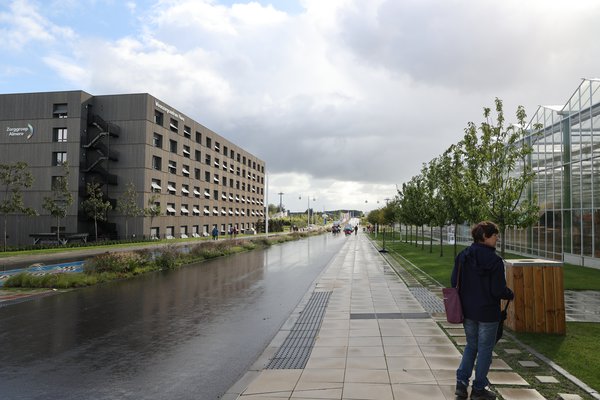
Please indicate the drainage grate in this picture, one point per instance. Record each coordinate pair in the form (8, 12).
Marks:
(390, 316)
(428, 300)
(295, 350)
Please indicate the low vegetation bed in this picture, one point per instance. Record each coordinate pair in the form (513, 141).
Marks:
(120, 265)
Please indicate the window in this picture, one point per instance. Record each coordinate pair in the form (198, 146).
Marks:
(224, 165)
(198, 137)
(196, 191)
(225, 151)
(238, 157)
(196, 231)
(158, 140)
(217, 147)
(183, 232)
(186, 151)
(59, 158)
(208, 142)
(171, 209)
(217, 162)
(230, 182)
(197, 156)
(184, 209)
(59, 110)
(174, 125)
(172, 167)
(156, 185)
(207, 176)
(232, 154)
(59, 135)
(207, 159)
(187, 131)
(158, 118)
(216, 178)
(172, 187)
(237, 171)
(197, 173)
(185, 170)
(224, 181)
(170, 232)
(207, 193)
(216, 194)
(173, 146)
(156, 162)
(154, 232)
(185, 190)
(55, 182)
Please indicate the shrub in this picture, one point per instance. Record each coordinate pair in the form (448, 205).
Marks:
(167, 257)
(114, 262)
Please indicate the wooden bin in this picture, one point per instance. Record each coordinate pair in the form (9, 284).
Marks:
(539, 304)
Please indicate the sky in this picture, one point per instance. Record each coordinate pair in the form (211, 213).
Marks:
(344, 100)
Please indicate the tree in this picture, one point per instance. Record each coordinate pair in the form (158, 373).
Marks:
(127, 205)
(95, 206)
(153, 209)
(60, 198)
(499, 170)
(438, 213)
(14, 178)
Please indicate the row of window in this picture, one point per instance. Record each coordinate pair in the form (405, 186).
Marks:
(187, 133)
(156, 187)
(185, 233)
(185, 210)
(208, 177)
(186, 152)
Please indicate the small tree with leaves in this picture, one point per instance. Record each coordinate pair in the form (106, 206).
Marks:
(14, 178)
(127, 205)
(95, 206)
(60, 199)
(153, 209)
(501, 171)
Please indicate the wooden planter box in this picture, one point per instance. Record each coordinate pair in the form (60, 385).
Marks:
(539, 304)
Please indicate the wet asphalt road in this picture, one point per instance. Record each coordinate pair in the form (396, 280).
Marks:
(185, 334)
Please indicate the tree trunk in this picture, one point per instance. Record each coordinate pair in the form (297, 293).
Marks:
(431, 239)
(422, 237)
(5, 230)
(126, 229)
(96, 227)
(455, 238)
(441, 241)
(503, 242)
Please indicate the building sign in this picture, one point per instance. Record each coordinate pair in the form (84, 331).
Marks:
(168, 111)
(26, 131)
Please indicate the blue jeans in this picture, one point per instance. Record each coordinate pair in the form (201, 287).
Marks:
(481, 338)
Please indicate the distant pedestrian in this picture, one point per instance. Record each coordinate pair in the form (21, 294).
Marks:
(215, 233)
(356, 229)
(482, 285)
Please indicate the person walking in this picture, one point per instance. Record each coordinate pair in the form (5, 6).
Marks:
(482, 286)
(215, 233)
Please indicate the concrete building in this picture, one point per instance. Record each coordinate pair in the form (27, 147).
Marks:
(198, 179)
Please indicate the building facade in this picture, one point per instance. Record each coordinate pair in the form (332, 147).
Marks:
(196, 178)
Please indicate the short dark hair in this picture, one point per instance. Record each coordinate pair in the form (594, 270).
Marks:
(483, 230)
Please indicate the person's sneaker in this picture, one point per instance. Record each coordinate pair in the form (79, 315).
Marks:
(482, 394)
(461, 391)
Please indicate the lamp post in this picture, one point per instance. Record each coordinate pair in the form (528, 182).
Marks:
(307, 209)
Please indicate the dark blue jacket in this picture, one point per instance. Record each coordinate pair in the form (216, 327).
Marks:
(482, 282)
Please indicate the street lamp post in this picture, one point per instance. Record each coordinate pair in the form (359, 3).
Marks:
(307, 209)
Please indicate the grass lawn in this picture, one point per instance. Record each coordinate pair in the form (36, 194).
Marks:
(578, 351)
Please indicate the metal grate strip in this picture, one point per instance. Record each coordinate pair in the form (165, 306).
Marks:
(296, 348)
(428, 300)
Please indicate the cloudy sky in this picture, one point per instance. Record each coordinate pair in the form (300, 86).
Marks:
(343, 99)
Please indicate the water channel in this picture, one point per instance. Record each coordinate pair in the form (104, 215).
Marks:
(184, 334)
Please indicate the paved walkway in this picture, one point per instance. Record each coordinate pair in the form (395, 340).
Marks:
(373, 339)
